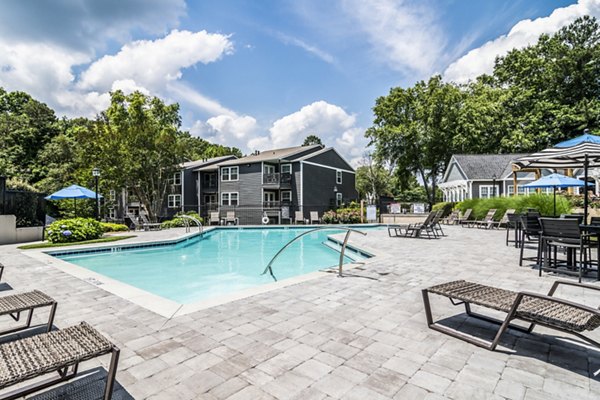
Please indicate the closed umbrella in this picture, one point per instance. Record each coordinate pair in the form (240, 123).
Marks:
(555, 181)
(73, 192)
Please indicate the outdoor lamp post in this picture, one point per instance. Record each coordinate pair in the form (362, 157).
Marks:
(96, 174)
(494, 185)
(335, 190)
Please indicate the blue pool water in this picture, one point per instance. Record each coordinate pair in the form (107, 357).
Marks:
(219, 262)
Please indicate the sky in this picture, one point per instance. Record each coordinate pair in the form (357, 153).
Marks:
(261, 74)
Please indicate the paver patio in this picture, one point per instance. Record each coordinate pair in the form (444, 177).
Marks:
(359, 337)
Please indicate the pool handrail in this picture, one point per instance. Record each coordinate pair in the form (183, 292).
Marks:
(186, 218)
(343, 250)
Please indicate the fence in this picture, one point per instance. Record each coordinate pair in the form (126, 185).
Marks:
(28, 207)
(275, 212)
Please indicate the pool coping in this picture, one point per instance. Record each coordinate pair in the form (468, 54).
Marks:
(169, 308)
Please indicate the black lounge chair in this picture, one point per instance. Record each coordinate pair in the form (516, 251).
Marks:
(15, 304)
(536, 309)
(1, 271)
(58, 351)
(416, 230)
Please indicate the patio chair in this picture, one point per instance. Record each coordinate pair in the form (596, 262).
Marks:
(314, 217)
(504, 219)
(451, 219)
(15, 304)
(231, 218)
(536, 309)
(427, 227)
(564, 234)
(488, 221)
(299, 217)
(214, 218)
(513, 223)
(150, 226)
(530, 234)
(465, 219)
(57, 351)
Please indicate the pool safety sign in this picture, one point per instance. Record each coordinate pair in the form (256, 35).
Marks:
(371, 213)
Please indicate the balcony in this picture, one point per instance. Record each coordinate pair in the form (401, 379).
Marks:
(277, 179)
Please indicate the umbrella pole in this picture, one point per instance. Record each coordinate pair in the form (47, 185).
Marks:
(585, 190)
(554, 212)
(74, 207)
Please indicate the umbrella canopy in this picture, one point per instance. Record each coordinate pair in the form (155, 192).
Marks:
(585, 138)
(73, 192)
(556, 181)
(563, 157)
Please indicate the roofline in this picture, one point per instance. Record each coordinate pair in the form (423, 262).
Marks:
(323, 150)
(209, 163)
(459, 167)
(244, 160)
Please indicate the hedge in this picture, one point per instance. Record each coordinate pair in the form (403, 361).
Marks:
(74, 230)
(111, 227)
(541, 202)
(180, 222)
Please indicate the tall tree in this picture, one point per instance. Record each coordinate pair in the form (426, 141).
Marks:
(414, 128)
(373, 180)
(312, 139)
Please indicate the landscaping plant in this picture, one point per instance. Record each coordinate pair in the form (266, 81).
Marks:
(74, 230)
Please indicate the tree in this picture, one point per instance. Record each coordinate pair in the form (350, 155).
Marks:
(312, 139)
(196, 148)
(137, 144)
(413, 129)
(372, 181)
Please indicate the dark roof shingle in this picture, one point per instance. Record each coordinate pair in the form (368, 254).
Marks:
(486, 166)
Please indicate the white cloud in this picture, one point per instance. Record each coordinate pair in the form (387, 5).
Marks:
(186, 93)
(323, 55)
(405, 35)
(481, 60)
(153, 63)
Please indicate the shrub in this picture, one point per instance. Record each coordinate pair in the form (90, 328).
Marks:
(180, 222)
(342, 216)
(542, 202)
(111, 227)
(74, 230)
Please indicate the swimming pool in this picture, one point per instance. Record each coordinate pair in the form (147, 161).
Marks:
(219, 262)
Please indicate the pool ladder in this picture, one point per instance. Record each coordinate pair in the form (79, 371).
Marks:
(187, 219)
(269, 267)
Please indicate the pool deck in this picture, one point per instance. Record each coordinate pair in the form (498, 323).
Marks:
(359, 337)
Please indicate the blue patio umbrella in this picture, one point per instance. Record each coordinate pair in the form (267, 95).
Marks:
(556, 181)
(585, 138)
(73, 192)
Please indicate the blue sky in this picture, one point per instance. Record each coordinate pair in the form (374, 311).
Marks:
(261, 74)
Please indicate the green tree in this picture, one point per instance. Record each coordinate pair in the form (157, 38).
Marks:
(137, 144)
(413, 129)
(372, 181)
(312, 139)
(196, 148)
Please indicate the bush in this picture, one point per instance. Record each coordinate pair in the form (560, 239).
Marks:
(541, 202)
(180, 222)
(342, 216)
(110, 227)
(74, 230)
(446, 207)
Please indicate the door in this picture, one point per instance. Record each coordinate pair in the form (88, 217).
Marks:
(270, 199)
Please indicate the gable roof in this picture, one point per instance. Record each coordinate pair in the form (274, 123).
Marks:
(205, 161)
(325, 150)
(285, 154)
(484, 166)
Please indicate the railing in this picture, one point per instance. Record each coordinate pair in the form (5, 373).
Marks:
(269, 267)
(277, 178)
(187, 218)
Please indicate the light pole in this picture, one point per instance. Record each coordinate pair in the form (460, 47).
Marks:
(494, 185)
(335, 191)
(96, 174)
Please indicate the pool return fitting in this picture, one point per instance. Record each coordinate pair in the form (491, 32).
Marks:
(269, 268)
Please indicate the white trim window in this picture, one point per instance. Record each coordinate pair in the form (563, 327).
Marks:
(175, 179)
(286, 197)
(286, 168)
(230, 198)
(338, 176)
(229, 174)
(268, 169)
(112, 213)
(338, 199)
(174, 201)
(486, 192)
(112, 195)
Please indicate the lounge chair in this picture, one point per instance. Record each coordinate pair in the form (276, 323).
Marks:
(214, 218)
(450, 219)
(299, 217)
(416, 230)
(314, 217)
(1, 270)
(231, 218)
(150, 226)
(15, 304)
(465, 218)
(488, 221)
(536, 309)
(57, 351)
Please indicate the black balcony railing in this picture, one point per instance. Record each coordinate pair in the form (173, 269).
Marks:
(277, 179)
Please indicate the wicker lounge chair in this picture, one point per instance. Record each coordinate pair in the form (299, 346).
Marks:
(57, 351)
(15, 304)
(534, 308)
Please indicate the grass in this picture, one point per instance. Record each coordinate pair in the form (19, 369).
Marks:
(101, 240)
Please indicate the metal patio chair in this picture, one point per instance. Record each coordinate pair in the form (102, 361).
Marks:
(536, 309)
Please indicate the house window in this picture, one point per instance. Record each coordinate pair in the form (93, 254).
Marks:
(486, 191)
(338, 176)
(112, 213)
(174, 201)
(269, 169)
(286, 168)
(286, 197)
(229, 174)
(229, 199)
(338, 199)
(176, 179)
(112, 195)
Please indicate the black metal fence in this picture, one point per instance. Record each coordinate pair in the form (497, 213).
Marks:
(28, 207)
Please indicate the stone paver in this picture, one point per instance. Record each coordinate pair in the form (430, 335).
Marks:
(360, 337)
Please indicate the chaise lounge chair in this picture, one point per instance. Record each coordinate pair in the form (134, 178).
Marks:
(451, 219)
(15, 304)
(488, 221)
(214, 218)
(231, 218)
(536, 309)
(416, 230)
(314, 217)
(57, 351)
(299, 218)
(465, 218)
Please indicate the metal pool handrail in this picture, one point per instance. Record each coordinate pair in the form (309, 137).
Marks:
(187, 224)
(348, 232)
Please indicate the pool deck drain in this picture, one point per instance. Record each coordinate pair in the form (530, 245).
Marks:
(332, 338)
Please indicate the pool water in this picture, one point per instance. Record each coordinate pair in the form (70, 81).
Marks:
(219, 262)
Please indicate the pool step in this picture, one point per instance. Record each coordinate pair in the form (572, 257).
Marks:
(351, 253)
